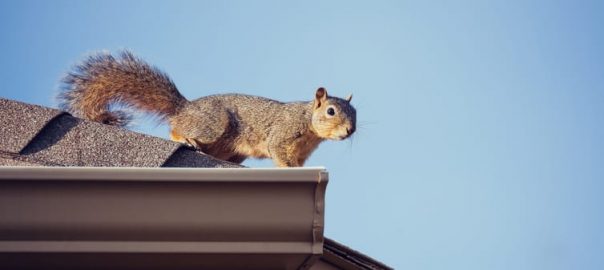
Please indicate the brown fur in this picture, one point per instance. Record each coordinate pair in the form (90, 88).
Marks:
(230, 127)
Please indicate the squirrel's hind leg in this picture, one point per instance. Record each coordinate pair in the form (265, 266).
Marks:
(238, 159)
(203, 122)
(178, 138)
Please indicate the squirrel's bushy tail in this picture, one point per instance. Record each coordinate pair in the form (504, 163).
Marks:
(102, 80)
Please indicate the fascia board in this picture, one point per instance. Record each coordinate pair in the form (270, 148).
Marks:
(74, 210)
(306, 174)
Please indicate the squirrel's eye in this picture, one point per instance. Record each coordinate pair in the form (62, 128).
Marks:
(331, 111)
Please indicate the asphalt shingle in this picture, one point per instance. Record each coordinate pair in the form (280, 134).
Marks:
(184, 157)
(15, 162)
(53, 138)
(74, 142)
(21, 122)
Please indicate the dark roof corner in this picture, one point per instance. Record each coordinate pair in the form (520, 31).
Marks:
(344, 257)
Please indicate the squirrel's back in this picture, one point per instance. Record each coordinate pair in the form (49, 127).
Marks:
(101, 80)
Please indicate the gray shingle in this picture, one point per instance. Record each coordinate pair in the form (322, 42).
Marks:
(74, 142)
(21, 122)
(15, 162)
(184, 157)
(53, 138)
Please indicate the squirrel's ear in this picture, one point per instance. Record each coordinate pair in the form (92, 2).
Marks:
(349, 98)
(320, 96)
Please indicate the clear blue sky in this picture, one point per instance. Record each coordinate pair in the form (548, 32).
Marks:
(480, 143)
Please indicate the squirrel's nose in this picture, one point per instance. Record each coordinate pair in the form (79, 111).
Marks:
(349, 131)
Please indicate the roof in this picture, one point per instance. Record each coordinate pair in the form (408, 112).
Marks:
(39, 136)
(34, 135)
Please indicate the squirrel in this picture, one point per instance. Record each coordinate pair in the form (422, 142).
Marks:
(230, 127)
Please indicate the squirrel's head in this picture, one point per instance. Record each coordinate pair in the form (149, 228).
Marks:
(332, 117)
